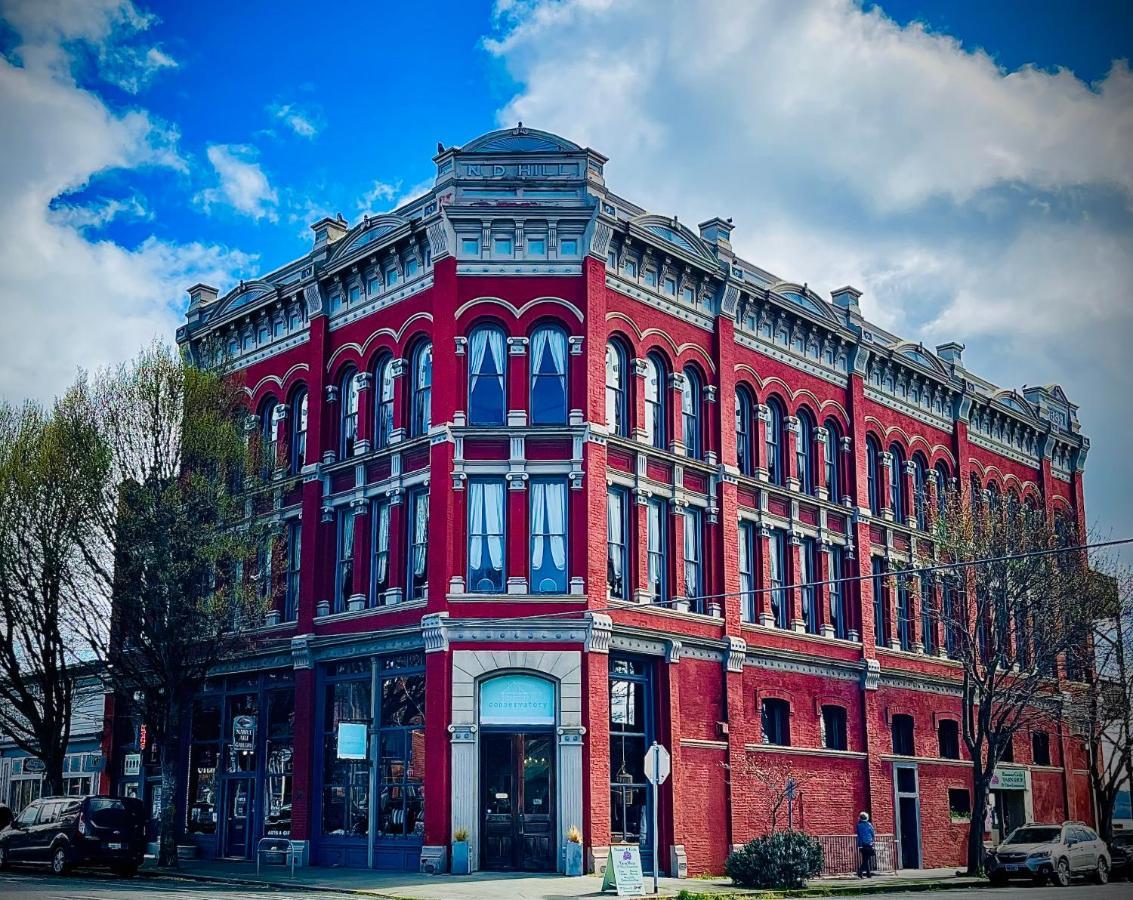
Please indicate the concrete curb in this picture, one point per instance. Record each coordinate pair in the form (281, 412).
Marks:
(158, 874)
(851, 889)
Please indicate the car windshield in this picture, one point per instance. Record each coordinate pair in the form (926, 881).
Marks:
(106, 812)
(1033, 836)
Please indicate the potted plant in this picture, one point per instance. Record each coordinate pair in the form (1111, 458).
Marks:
(573, 863)
(460, 863)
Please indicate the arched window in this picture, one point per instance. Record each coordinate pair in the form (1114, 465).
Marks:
(548, 376)
(487, 376)
(745, 406)
(383, 403)
(421, 393)
(897, 482)
(298, 449)
(654, 407)
(691, 395)
(776, 473)
(617, 418)
(348, 422)
(804, 453)
(873, 473)
(943, 487)
(920, 490)
(269, 436)
(834, 460)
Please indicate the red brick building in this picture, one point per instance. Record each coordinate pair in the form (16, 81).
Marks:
(557, 477)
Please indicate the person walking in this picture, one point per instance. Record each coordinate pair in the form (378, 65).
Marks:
(865, 833)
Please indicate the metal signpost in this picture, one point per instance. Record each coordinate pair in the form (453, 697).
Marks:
(657, 767)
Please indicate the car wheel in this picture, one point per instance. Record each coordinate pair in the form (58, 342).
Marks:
(1062, 873)
(59, 862)
(1101, 873)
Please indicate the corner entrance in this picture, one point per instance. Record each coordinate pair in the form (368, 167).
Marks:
(517, 801)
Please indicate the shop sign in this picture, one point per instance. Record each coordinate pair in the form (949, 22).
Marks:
(92, 762)
(1009, 779)
(132, 764)
(517, 700)
(244, 733)
(34, 766)
(623, 871)
(351, 740)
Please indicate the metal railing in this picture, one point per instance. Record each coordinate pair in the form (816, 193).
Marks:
(840, 853)
(276, 847)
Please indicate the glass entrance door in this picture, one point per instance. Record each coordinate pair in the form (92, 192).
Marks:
(238, 817)
(517, 801)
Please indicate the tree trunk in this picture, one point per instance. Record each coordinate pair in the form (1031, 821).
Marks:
(53, 775)
(976, 825)
(170, 759)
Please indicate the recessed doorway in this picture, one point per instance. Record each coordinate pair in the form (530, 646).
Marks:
(517, 801)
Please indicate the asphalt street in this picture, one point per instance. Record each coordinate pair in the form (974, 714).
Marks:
(18, 885)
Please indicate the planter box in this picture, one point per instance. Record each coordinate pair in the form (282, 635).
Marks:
(460, 862)
(572, 864)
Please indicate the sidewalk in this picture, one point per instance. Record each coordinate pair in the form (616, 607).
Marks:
(525, 886)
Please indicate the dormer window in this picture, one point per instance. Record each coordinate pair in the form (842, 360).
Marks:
(391, 278)
(501, 246)
(355, 294)
(612, 259)
(536, 246)
(568, 247)
(470, 246)
(688, 295)
(631, 268)
(670, 286)
(651, 278)
(373, 285)
(410, 268)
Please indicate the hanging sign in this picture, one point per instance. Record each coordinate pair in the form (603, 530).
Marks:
(244, 733)
(623, 871)
(1008, 779)
(351, 740)
(517, 700)
(132, 764)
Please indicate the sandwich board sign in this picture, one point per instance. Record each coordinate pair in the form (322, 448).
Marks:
(623, 871)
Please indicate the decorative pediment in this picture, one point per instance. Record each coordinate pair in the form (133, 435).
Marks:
(244, 295)
(520, 140)
(370, 231)
(922, 357)
(672, 232)
(803, 298)
(1012, 400)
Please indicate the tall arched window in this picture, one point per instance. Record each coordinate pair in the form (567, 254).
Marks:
(383, 403)
(833, 460)
(617, 418)
(873, 473)
(897, 482)
(920, 490)
(269, 436)
(691, 398)
(804, 453)
(654, 406)
(745, 407)
(943, 487)
(548, 376)
(348, 417)
(421, 394)
(487, 376)
(297, 457)
(776, 470)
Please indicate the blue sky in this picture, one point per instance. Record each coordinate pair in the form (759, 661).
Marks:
(965, 164)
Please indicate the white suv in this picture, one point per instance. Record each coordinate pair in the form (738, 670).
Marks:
(1057, 852)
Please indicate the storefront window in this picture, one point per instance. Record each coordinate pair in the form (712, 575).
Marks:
(205, 737)
(401, 748)
(278, 769)
(630, 731)
(346, 782)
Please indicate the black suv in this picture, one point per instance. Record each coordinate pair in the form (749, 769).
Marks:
(68, 831)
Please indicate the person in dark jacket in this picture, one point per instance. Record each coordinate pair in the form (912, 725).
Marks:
(865, 833)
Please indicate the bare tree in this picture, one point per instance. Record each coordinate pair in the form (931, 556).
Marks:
(781, 784)
(52, 468)
(1097, 708)
(1019, 599)
(171, 552)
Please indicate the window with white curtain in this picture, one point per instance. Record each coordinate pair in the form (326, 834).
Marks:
(747, 571)
(777, 557)
(654, 404)
(690, 414)
(548, 535)
(379, 568)
(694, 558)
(344, 562)
(548, 376)
(349, 421)
(811, 611)
(832, 460)
(617, 544)
(657, 550)
(839, 614)
(804, 453)
(421, 410)
(418, 544)
(487, 372)
(776, 470)
(745, 457)
(383, 407)
(269, 435)
(298, 432)
(294, 557)
(486, 535)
(617, 418)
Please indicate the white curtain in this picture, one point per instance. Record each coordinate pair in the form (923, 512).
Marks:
(555, 493)
(382, 550)
(477, 347)
(539, 491)
(494, 522)
(420, 535)
(487, 501)
(476, 525)
(615, 539)
(692, 555)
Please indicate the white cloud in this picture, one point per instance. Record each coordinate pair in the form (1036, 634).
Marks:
(242, 184)
(303, 121)
(68, 301)
(967, 202)
(384, 196)
(99, 214)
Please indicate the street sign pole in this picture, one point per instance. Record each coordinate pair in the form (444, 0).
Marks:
(656, 782)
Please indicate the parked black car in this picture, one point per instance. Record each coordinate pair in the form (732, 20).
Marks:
(62, 832)
(1121, 855)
